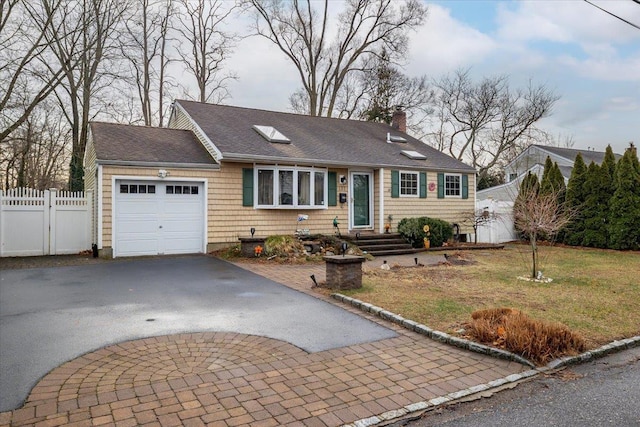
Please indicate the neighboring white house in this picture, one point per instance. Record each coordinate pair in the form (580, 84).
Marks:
(498, 200)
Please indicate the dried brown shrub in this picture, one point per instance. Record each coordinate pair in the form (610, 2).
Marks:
(514, 331)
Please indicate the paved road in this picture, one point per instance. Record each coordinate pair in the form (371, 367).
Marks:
(605, 392)
(52, 315)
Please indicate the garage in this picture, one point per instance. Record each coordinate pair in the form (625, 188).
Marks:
(156, 217)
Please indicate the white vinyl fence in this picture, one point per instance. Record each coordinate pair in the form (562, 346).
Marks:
(49, 222)
(499, 227)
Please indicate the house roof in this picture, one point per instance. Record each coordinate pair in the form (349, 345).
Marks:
(314, 140)
(128, 144)
(570, 154)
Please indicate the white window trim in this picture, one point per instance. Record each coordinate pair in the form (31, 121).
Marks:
(411, 196)
(276, 187)
(458, 196)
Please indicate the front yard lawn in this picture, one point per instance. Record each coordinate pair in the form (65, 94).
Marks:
(596, 293)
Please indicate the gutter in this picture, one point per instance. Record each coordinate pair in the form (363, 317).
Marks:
(158, 164)
(250, 158)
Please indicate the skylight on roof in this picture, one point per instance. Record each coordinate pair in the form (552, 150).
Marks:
(395, 138)
(414, 155)
(271, 134)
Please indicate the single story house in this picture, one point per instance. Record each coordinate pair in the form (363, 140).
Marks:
(532, 159)
(498, 200)
(218, 171)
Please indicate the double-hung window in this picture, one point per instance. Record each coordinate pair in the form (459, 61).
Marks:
(291, 187)
(452, 186)
(409, 184)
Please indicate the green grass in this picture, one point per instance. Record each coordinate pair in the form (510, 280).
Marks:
(596, 293)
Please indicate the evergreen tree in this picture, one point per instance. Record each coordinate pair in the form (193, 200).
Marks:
(573, 233)
(553, 183)
(546, 186)
(557, 181)
(624, 224)
(609, 163)
(529, 185)
(596, 208)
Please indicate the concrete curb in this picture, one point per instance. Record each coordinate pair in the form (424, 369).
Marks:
(423, 406)
(433, 334)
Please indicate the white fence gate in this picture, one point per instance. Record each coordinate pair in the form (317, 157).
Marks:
(499, 228)
(49, 222)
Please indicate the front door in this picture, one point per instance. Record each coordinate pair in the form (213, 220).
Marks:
(361, 206)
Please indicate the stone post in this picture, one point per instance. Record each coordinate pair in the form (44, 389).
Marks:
(344, 272)
(248, 245)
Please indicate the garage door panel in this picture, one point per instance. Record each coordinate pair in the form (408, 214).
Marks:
(168, 221)
(137, 225)
(141, 207)
(140, 245)
(182, 245)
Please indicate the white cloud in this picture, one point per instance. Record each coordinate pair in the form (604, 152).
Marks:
(444, 44)
(266, 78)
(568, 21)
(604, 69)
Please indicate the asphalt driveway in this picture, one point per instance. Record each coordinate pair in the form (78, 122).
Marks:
(52, 315)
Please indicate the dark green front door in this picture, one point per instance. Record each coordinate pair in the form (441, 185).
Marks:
(361, 199)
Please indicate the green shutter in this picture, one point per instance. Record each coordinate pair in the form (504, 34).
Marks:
(395, 184)
(423, 185)
(333, 189)
(247, 187)
(465, 186)
(440, 186)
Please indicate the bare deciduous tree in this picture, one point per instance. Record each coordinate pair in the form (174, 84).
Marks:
(302, 33)
(36, 154)
(26, 70)
(206, 45)
(384, 87)
(93, 25)
(539, 215)
(482, 122)
(145, 48)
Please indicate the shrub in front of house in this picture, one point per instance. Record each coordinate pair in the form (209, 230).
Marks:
(283, 246)
(412, 229)
(516, 332)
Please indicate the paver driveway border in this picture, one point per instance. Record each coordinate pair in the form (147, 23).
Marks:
(235, 379)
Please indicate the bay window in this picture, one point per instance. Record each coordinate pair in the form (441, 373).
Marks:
(290, 187)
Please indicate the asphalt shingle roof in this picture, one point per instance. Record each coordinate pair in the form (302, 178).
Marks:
(128, 143)
(569, 153)
(316, 140)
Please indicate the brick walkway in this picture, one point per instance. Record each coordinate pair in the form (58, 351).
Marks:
(228, 379)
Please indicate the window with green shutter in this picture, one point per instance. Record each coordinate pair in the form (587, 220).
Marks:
(333, 189)
(465, 186)
(247, 187)
(395, 184)
(423, 185)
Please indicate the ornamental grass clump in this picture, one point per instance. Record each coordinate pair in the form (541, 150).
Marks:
(283, 246)
(516, 332)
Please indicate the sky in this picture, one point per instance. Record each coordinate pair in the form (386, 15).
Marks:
(587, 57)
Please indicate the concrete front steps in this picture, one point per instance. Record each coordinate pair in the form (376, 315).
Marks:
(381, 244)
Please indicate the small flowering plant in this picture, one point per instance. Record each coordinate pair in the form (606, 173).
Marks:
(257, 250)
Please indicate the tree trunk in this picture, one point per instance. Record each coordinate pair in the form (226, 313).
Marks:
(534, 255)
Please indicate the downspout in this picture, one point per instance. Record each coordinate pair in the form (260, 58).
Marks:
(381, 198)
(99, 206)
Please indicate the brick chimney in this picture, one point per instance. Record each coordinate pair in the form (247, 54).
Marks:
(399, 119)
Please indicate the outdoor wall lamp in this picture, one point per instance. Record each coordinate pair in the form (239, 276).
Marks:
(162, 173)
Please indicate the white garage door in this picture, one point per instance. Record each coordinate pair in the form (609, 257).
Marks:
(155, 218)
